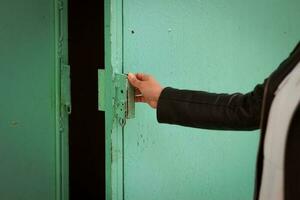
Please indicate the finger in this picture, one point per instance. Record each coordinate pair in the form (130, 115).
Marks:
(137, 91)
(142, 77)
(139, 99)
(133, 80)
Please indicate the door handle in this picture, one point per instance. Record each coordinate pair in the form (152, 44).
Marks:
(124, 97)
(120, 92)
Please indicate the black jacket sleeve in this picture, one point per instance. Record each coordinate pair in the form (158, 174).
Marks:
(209, 110)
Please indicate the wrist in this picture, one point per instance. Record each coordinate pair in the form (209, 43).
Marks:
(158, 94)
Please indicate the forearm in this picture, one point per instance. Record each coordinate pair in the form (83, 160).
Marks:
(209, 110)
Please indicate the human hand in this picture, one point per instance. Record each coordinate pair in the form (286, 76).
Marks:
(147, 88)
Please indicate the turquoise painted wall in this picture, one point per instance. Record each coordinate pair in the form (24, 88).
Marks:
(217, 46)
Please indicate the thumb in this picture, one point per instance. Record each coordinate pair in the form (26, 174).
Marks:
(133, 80)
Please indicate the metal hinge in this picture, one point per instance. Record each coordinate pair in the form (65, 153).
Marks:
(122, 96)
(65, 89)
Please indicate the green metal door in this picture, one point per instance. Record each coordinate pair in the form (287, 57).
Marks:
(206, 45)
(34, 101)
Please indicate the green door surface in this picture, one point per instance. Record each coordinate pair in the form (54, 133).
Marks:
(216, 46)
(34, 101)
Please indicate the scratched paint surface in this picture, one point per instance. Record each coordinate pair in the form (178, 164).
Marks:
(28, 160)
(203, 45)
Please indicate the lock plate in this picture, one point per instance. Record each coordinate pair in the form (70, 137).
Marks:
(123, 96)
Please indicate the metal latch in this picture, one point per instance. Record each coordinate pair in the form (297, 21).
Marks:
(122, 96)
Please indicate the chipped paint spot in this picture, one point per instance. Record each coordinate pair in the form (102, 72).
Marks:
(14, 124)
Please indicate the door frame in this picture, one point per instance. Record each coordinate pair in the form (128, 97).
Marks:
(114, 139)
(62, 99)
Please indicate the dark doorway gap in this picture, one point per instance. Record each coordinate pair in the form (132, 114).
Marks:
(87, 131)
